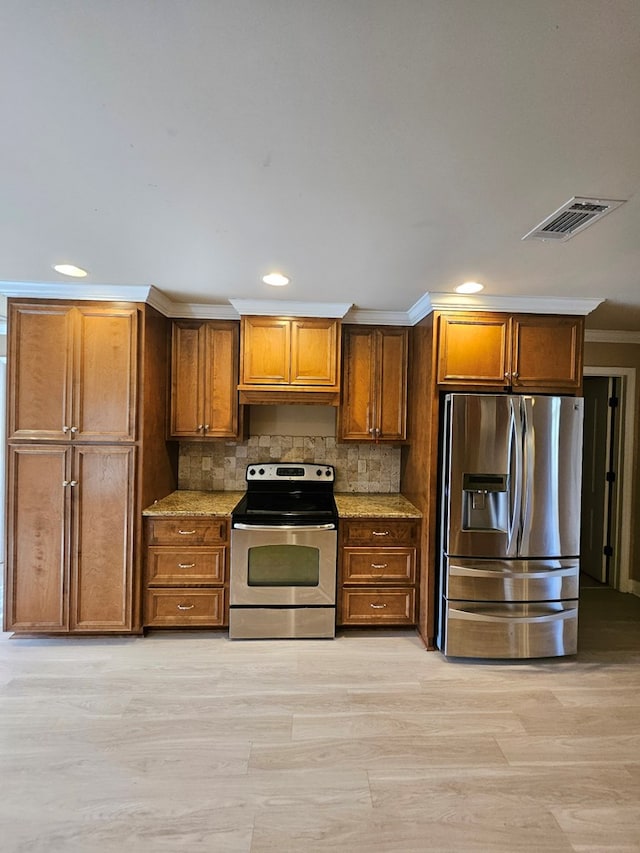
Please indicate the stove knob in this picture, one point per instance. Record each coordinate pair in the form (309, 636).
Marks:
(319, 473)
(328, 472)
(261, 471)
(252, 471)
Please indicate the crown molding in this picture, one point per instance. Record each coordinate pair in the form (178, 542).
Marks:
(280, 308)
(65, 290)
(377, 318)
(611, 336)
(427, 303)
(511, 304)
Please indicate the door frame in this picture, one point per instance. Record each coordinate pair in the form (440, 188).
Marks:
(621, 559)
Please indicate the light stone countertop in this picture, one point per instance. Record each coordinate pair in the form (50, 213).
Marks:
(187, 502)
(362, 505)
(350, 505)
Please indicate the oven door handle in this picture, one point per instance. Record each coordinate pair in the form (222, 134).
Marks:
(238, 525)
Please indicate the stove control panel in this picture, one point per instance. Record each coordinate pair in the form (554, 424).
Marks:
(290, 472)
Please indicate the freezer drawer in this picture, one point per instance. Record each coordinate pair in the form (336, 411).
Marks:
(510, 630)
(511, 580)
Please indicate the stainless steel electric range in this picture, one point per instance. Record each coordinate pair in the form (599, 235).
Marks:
(284, 547)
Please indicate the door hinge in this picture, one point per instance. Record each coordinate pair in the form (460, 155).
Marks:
(613, 402)
(610, 476)
(608, 551)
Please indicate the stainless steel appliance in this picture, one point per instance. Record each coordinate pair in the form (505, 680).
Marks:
(510, 526)
(284, 547)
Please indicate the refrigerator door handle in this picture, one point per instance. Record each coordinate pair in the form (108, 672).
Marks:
(528, 456)
(515, 478)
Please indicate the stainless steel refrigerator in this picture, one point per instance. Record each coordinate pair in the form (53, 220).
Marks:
(510, 526)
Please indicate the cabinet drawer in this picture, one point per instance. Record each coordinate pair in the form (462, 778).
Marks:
(185, 607)
(383, 565)
(186, 531)
(179, 567)
(380, 532)
(378, 606)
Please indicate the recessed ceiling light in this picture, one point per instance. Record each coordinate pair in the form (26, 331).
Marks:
(470, 287)
(70, 269)
(275, 279)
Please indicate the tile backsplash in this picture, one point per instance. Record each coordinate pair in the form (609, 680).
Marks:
(221, 466)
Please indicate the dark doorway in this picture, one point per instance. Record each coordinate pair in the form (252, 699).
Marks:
(599, 477)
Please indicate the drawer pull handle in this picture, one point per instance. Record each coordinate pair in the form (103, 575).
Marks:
(186, 606)
(186, 532)
(378, 606)
(380, 532)
(379, 565)
(186, 565)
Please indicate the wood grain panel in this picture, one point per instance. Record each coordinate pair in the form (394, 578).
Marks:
(37, 538)
(105, 387)
(180, 567)
(102, 551)
(186, 531)
(387, 565)
(378, 606)
(184, 607)
(39, 377)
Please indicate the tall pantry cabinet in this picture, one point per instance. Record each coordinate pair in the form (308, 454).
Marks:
(86, 394)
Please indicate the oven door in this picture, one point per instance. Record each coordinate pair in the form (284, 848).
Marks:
(283, 565)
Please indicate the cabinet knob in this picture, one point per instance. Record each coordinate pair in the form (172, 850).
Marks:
(199, 427)
(65, 429)
(206, 427)
(515, 375)
(69, 482)
(74, 429)
(507, 375)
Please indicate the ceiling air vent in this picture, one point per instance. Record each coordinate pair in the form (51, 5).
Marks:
(575, 215)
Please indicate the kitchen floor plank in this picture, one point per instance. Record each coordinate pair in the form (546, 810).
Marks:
(188, 741)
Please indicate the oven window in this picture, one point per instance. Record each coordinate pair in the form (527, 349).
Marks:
(284, 565)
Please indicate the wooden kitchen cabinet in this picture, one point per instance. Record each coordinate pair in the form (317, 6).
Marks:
(70, 538)
(298, 357)
(72, 372)
(204, 380)
(186, 572)
(86, 397)
(374, 384)
(524, 352)
(377, 576)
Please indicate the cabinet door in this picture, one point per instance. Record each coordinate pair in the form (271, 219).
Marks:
(105, 374)
(314, 352)
(355, 416)
(473, 349)
(221, 380)
(40, 364)
(266, 351)
(102, 538)
(391, 382)
(37, 538)
(547, 353)
(187, 380)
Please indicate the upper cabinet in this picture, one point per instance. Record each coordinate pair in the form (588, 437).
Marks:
(289, 360)
(374, 399)
(72, 373)
(204, 379)
(524, 352)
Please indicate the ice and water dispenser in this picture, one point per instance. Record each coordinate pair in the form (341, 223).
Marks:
(486, 502)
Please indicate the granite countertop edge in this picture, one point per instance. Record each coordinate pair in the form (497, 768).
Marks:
(350, 504)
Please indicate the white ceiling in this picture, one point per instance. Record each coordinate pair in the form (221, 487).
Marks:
(375, 150)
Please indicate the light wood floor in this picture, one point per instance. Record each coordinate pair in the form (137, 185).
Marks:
(190, 742)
